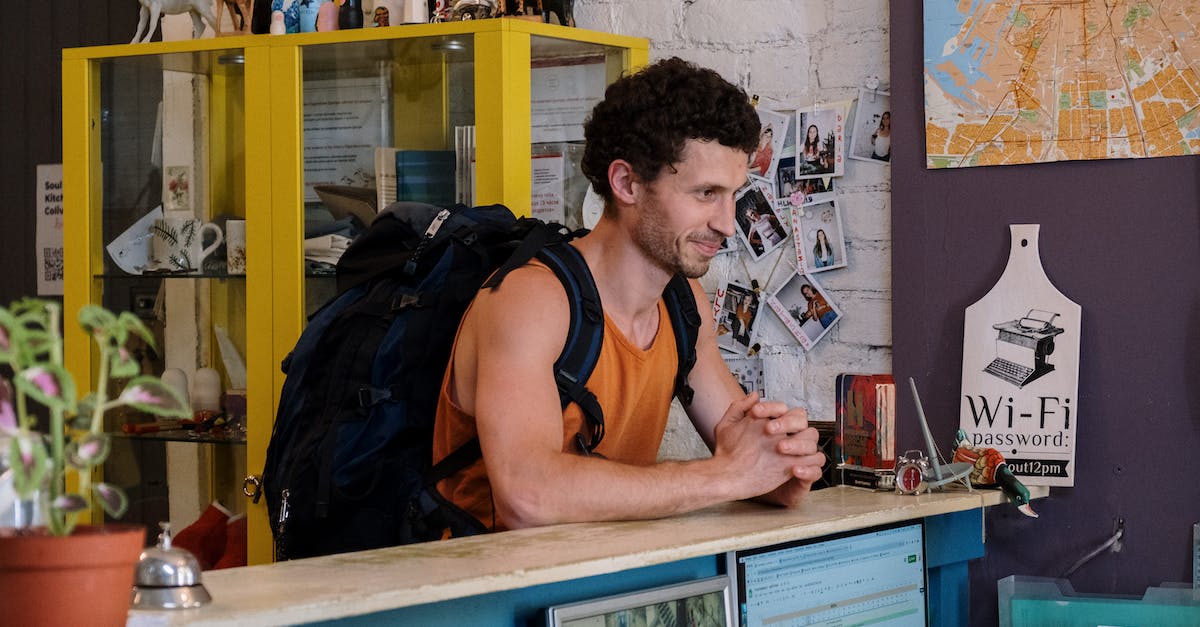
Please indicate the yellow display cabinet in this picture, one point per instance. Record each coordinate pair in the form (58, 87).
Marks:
(247, 128)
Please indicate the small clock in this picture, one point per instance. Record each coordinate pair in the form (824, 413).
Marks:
(910, 472)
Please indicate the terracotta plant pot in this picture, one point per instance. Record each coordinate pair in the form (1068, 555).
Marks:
(82, 579)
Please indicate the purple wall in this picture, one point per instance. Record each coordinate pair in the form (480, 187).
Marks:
(1122, 239)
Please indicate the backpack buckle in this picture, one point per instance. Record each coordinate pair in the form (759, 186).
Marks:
(368, 396)
(404, 301)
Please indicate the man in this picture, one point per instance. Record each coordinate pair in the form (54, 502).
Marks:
(667, 149)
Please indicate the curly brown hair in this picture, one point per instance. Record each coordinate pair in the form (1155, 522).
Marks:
(647, 117)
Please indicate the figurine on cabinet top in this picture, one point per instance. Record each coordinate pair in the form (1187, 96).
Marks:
(240, 12)
(200, 10)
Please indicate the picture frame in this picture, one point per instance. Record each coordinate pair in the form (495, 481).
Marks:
(759, 226)
(872, 116)
(749, 374)
(809, 323)
(772, 135)
(700, 602)
(735, 311)
(819, 237)
(820, 142)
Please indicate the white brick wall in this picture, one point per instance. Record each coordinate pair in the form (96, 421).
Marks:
(799, 52)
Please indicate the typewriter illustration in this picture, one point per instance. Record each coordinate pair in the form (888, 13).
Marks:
(1022, 347)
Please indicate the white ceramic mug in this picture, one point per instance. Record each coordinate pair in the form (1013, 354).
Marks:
(235, 246)
(176, 244)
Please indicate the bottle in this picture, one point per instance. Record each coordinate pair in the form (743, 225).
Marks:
(350, 15)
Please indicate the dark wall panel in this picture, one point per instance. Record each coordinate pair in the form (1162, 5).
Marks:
(32, 36)
(1122, 239)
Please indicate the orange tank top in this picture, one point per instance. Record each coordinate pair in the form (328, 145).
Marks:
(634, 388)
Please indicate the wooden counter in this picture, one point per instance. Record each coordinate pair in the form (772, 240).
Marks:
(337, 586)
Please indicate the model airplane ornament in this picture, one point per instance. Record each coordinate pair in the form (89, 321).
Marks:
(916, 473)
(990, 468)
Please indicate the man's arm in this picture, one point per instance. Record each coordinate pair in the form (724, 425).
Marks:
(717, 389)
(516, 333)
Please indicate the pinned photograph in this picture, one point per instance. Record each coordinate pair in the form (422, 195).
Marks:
(871, 138)
(818, 234)
(758, 225)
(785, 178)
(820, 142)
(805, 309)
(773, 133)
(749, 374)
(735, 308)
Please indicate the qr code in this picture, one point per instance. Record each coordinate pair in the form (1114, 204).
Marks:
(52, 264)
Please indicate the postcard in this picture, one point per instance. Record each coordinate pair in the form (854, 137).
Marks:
(871, 138)
(758, 224)
(805, 308)
(736, 309)
(819, 237)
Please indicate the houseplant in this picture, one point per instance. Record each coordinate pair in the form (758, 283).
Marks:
(52, 468)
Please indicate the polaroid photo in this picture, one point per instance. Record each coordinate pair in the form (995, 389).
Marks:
(749, 374)
(758, 225)
(805, 309)
(871, 137)
(735, 308)
(819, 237)
(773, 133)
(820, 142)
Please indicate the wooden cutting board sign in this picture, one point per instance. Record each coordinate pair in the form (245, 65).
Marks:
(1020, 374)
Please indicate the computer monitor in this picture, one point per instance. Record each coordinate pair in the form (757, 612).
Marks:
(872, 576)
(706, 602)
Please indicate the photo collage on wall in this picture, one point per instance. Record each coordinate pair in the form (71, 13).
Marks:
(790, 200)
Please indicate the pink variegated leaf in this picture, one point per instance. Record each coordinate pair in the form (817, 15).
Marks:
(88, 451)
(29, 463)
(111, 498)
(95, 319)
(134, 326)
(150, 394)
(69, 503)
(123, 365)
(48, 384)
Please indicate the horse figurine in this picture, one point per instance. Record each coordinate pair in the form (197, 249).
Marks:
(200, 10)
(240, 12)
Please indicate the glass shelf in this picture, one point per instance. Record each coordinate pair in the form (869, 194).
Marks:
(185, 435)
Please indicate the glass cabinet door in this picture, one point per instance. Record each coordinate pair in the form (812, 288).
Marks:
(158, 184)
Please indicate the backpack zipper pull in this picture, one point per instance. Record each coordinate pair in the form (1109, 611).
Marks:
(283, 510)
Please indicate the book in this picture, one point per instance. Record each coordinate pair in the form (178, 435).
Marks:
(426, 176)
(865, 422)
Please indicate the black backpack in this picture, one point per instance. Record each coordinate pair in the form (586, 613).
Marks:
(348, 465)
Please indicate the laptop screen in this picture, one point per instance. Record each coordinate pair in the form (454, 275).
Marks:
(873, 576)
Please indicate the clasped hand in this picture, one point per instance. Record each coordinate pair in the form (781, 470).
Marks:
(771, 448)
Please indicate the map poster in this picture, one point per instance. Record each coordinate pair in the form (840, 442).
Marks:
(1010, 82)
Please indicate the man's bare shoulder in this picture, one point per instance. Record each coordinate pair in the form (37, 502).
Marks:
(529, 302)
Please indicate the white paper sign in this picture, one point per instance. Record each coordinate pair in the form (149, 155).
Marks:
(1020, 373)
(562, 97)
(547, 203)
(49, 248)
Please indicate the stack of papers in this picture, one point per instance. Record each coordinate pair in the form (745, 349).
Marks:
(326, 248)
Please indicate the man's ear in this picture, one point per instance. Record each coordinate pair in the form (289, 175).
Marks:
(623, 181)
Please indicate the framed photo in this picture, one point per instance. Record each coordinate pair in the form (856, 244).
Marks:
(701, 602)
(819, 238)
(871, 138)
(820, 142)
(735, 310)
(749, 374)
(758, 224)
(805, 309)
(773, 133)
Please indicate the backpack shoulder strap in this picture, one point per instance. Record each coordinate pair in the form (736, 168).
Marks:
(585, 336)
(685, 320)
